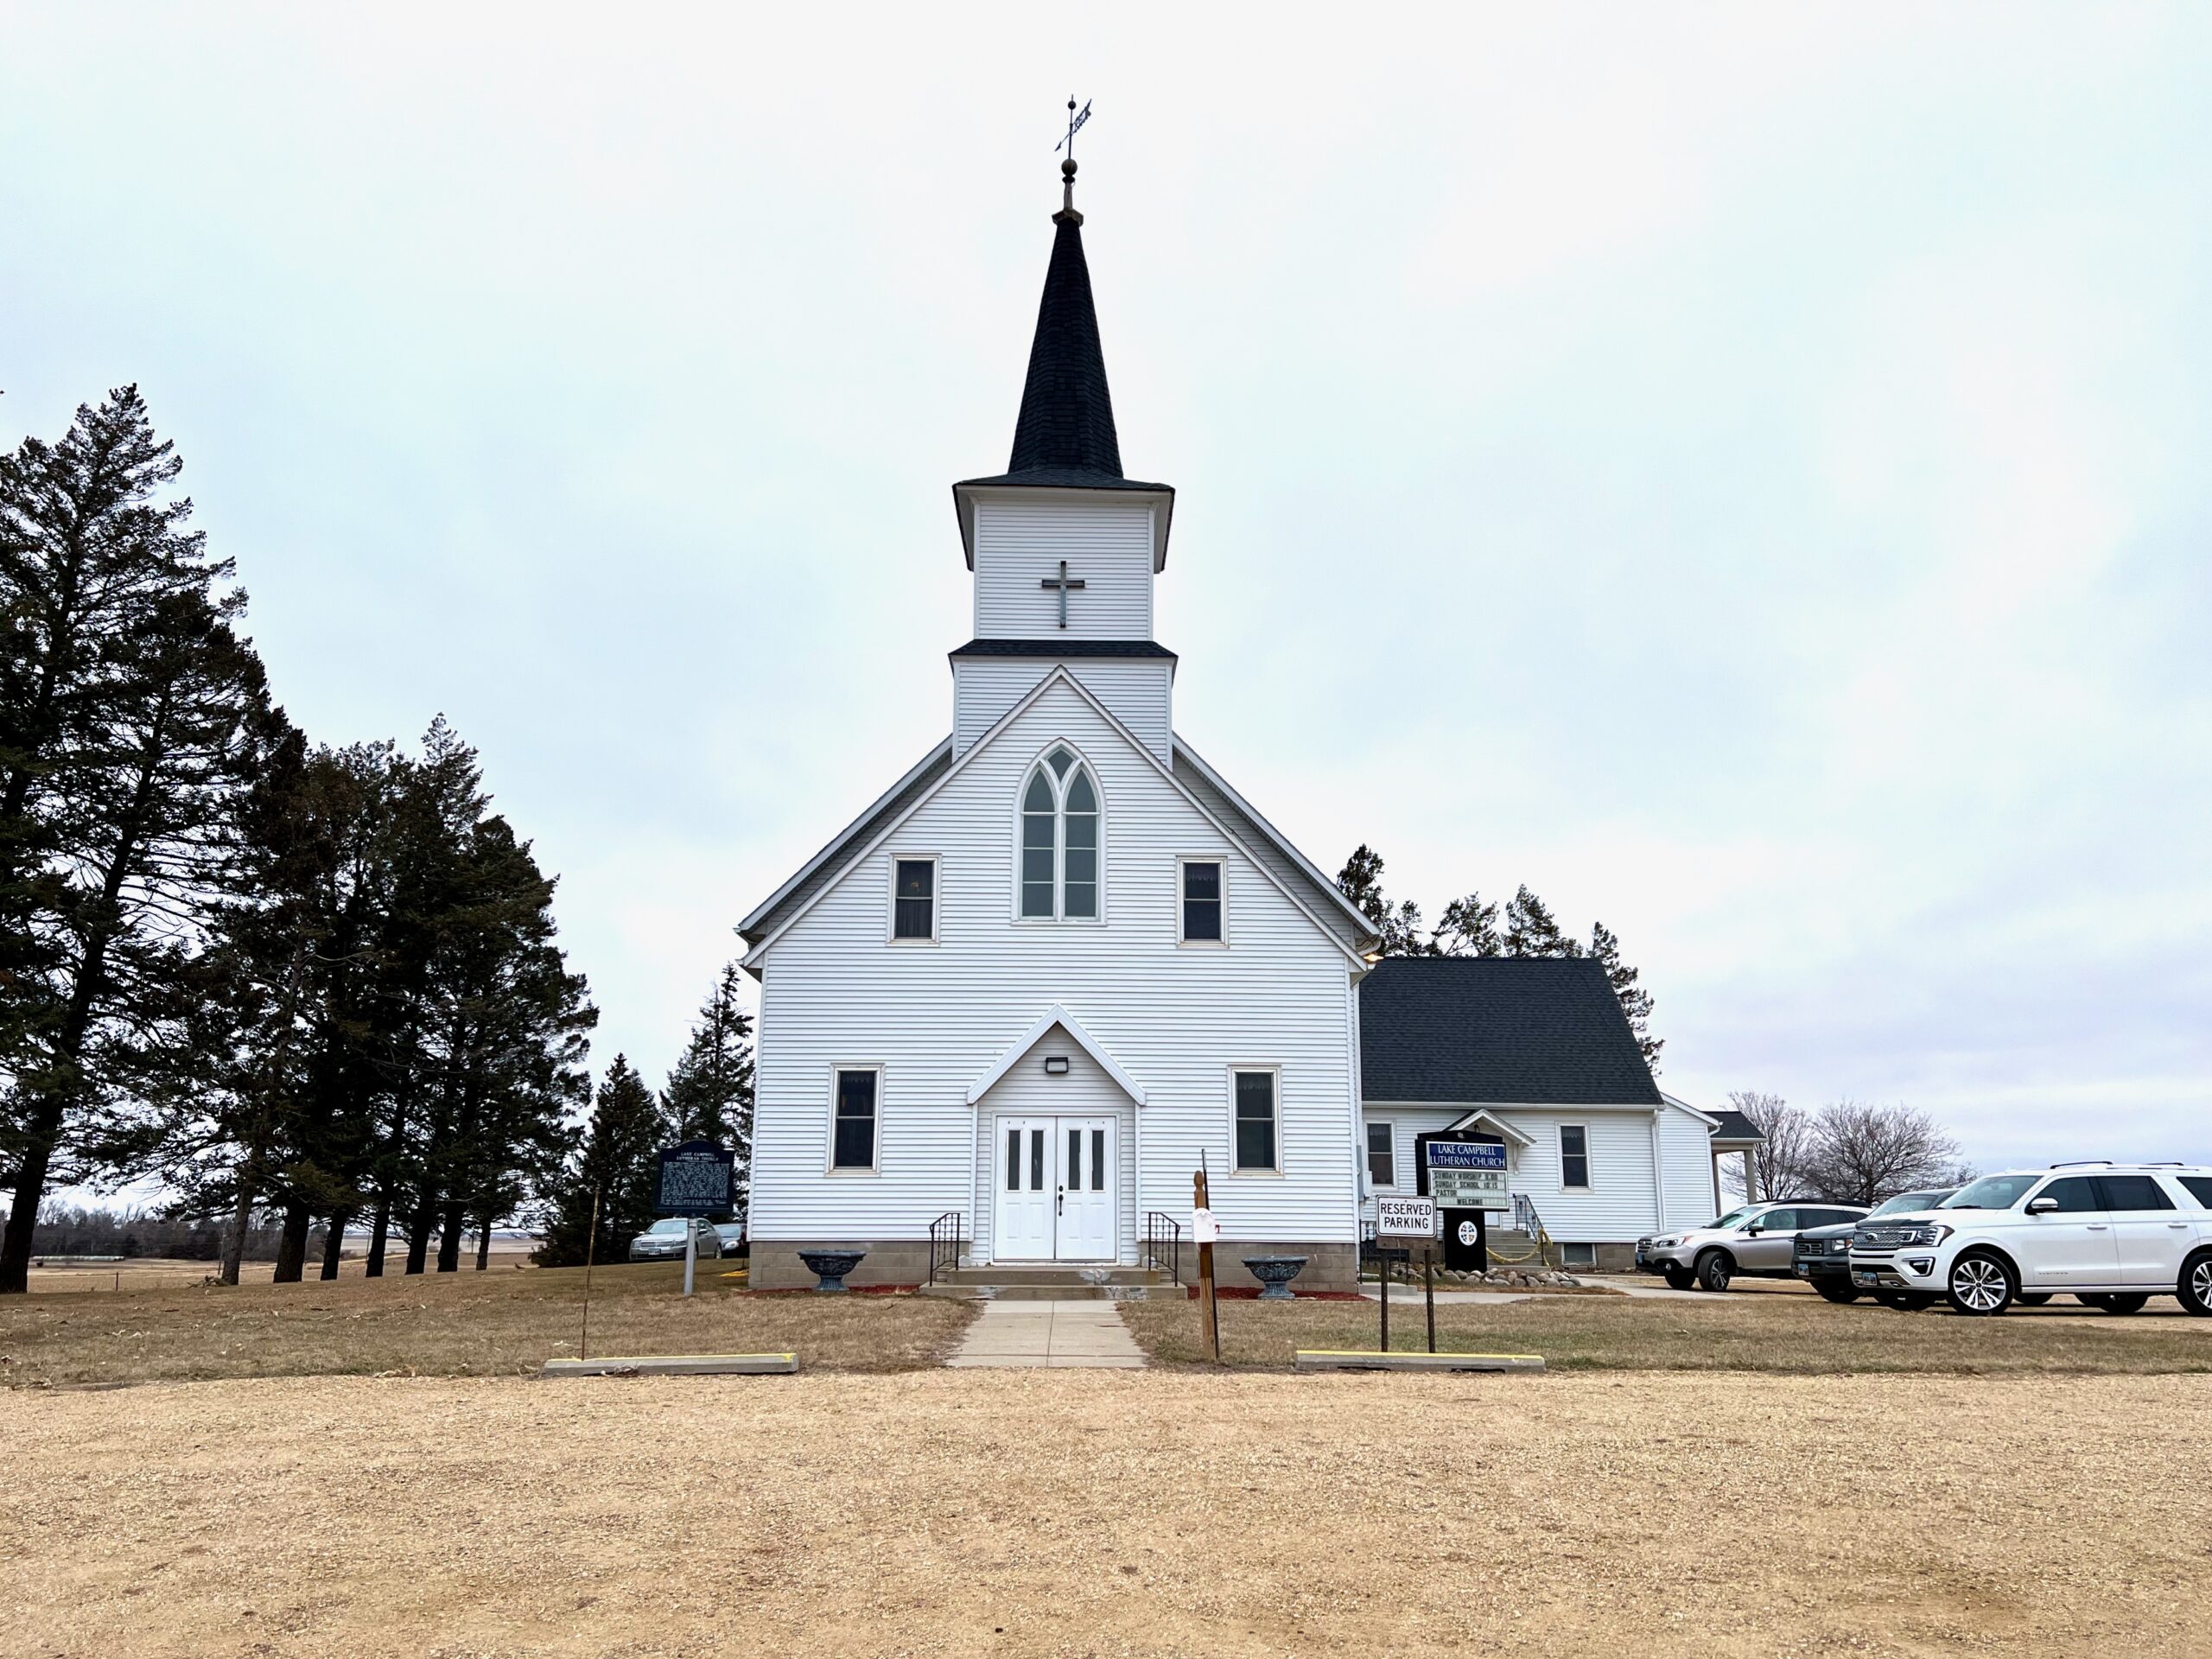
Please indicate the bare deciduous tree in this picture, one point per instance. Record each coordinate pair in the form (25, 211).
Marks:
(1864, 1153)
(1786, 1160)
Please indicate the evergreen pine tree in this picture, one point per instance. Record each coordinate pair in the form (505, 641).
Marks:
(710, 1096)
(1400, 929)
(1636, 1002)
(619, 1162)
(1531, 929)
(127, 709)
(1467, 928)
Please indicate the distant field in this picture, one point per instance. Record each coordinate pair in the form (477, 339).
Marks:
(1730, 1332)
(499, 1322)
(161, 1273)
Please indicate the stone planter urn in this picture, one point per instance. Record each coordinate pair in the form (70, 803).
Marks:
(830, 1266)
(1274, 1274)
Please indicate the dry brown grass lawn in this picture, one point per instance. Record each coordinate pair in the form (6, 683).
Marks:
(451, 1325)
(964, 1512)
(1734, 1332)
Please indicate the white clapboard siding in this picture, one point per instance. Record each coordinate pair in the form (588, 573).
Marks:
(1108, 545)
(936, 1018)
(1025, 1091)
(1687, 1195)
(1138, 692)
(1622, 1200)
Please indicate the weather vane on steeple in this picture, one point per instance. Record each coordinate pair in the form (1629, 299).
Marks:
(1067, 166)
(1075, 125)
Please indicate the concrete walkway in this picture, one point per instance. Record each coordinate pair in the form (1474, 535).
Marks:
(1060, 1335)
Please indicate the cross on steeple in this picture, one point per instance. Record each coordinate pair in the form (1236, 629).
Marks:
(1063, 583)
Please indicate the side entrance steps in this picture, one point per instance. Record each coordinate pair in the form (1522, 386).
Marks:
(1051, 1282)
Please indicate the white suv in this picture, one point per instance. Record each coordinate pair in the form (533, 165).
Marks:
(2112, 1235)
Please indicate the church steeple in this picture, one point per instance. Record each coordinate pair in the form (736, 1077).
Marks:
(1066, 424)
(1065, 448)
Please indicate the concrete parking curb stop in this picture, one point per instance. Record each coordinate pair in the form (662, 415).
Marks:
(676, 1365)
(1353, 1359)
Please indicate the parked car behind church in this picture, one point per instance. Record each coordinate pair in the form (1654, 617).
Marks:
(664, 1240)
(1821, 1255)
(1754, 1239)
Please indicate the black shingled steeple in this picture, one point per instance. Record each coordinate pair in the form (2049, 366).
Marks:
(1063, 438)
(1066, 424)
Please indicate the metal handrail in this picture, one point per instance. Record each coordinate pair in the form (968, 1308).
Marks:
(1163, 1235)
(945, 1241)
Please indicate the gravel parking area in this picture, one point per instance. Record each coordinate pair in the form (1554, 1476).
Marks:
(1111, 1513)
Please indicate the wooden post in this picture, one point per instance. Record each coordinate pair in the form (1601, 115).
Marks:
(1208, 1315)
(1428, 1291)
(1382, 1263)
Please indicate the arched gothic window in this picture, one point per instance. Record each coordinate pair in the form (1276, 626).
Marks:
(1059, 841)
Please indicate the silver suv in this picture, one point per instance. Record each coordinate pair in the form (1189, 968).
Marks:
(1755, 1239)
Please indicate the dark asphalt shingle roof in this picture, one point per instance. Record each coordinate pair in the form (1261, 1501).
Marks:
(1067, 415)
(1063, 647)
(1734, 1126)
(1498, 1030)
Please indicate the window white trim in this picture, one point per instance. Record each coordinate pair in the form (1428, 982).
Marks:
(1059, 786)
(1389, 1128)
(1273, 1071)
(829, 1164)
(891, 935)
(1586, 1184)
(1182, 861)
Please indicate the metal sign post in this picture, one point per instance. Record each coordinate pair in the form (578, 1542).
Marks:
(591, 1238)
(697, 1181)
(1407, 1218)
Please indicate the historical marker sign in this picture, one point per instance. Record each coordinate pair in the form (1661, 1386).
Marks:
(1405, 1218)
(696, 1179)
(1468, 1175)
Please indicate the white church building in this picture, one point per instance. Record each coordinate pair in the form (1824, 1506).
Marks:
(1061, 962)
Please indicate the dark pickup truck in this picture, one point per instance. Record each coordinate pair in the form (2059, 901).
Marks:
(1821, 1255)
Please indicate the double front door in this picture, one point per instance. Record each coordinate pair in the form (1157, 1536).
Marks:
(1055, 1182)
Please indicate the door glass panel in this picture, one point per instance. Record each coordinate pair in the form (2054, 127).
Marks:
(1036, 1160)
(1075, 1159)
(1013, 1160)
(2134, 1192)
(2076, 1195)
(1098, 1161)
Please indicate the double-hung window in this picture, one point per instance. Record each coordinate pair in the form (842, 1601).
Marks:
(1258, 1138)
(852, 1134)
(1202, 901)
(1382, 1157)
(1573, 1155)
(913, 900)
(1059, 841)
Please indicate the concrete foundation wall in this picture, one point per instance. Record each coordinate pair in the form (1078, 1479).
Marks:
(776, 1265)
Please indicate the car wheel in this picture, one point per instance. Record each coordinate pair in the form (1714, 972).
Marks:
(2034, 1298)
(2195, 1286)
(1980, 1283)
(1836, 1290)
(1906, 1301)
(1714, 1269)
(1681, 1278)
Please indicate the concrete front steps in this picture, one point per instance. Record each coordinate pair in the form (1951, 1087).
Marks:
(1051, 1282)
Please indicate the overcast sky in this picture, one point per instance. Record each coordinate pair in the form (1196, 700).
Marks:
(1743, 474)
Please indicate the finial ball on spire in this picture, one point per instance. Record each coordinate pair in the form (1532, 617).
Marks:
(1067, 168)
